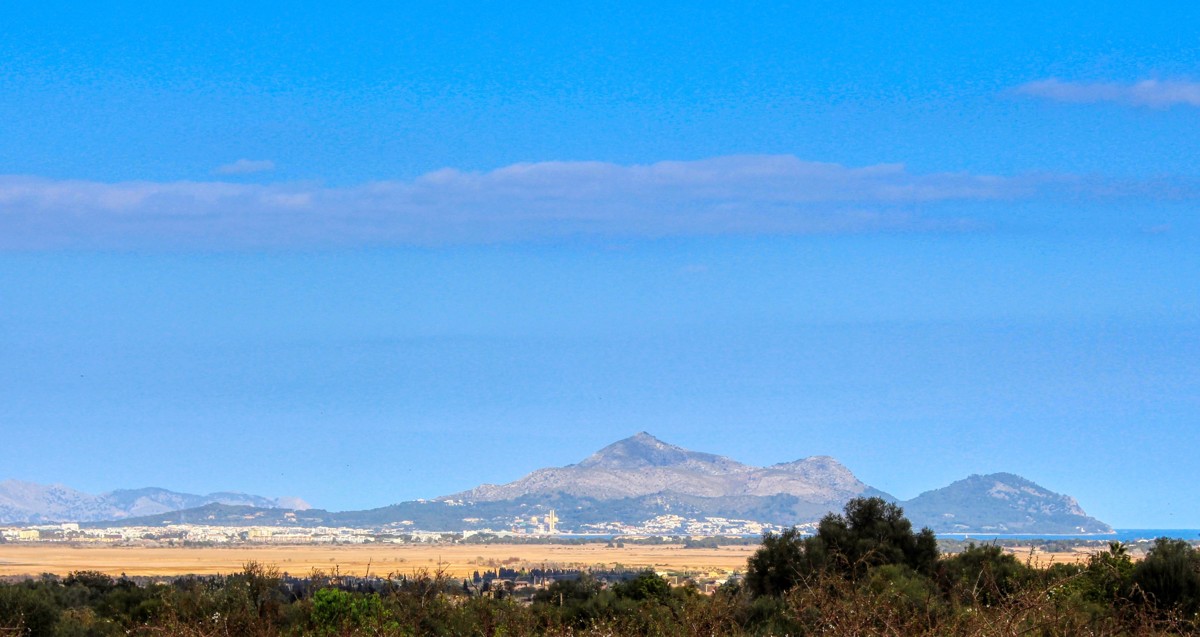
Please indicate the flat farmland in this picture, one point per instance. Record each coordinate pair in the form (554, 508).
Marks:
(382, 559)
(1043, 559)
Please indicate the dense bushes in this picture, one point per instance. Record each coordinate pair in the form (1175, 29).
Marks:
(867, 572)
(1169, 577)
(29, 607)
(983, 574)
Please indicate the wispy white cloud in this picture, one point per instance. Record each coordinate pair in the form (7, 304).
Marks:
(245, 167)
(1146, 93)
(724, 195)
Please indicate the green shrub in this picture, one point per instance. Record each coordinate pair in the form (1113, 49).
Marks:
(28, 610)
(648, 585)
(335, 610)
(982, 575)
(1169, 577)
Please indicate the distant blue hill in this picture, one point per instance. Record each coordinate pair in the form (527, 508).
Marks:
(32, 503)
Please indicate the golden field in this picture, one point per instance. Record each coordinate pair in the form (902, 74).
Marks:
(1041, 559)
(456, 560)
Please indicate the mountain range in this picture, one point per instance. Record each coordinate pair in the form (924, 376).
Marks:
(32, 503)
(644, 469)
(644, 465)
(629, 482)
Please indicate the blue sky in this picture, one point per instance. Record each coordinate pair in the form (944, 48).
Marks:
(363, 255)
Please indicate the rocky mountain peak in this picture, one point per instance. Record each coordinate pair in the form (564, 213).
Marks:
(644, 451)
(643, 465)
(823, 470)
(638, 450)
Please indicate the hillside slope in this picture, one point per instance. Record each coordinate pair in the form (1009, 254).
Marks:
(1000, 503)
(32, 503)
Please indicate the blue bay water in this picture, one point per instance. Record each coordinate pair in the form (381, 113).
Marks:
(1120, 535)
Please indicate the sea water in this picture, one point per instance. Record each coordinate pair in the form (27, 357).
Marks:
(1119, 535)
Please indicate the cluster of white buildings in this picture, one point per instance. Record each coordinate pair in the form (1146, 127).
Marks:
(679, 525)
(544, 525)
(205, 534)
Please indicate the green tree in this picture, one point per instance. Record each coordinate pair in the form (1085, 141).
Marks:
(1108, 575)
(872, 532)
(647, 585)
(779, 564)
(27, 609)
(1169, 577)
(335, 610)
(567, 591)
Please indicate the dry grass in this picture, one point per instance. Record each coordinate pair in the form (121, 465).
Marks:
(1041, 559)
(385, 559)
(382, 559)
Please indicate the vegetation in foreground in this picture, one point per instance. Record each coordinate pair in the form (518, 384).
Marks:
(865, 572)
